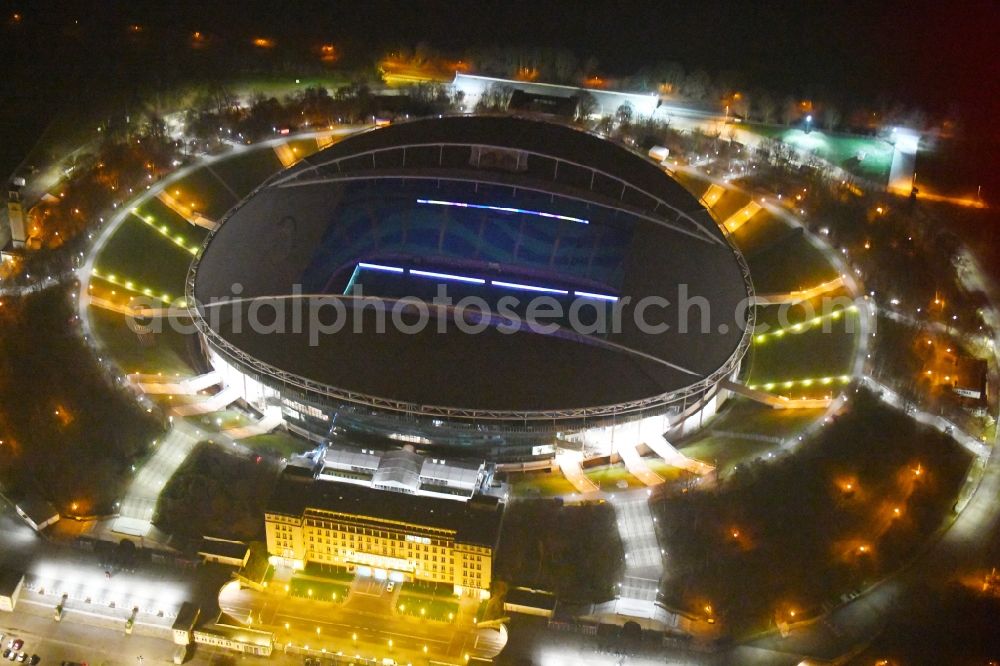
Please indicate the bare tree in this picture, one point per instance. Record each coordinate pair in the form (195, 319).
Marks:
(789, 111)
(624, 115)
(665, 77)
(696, 86)
(766, 108)
(831, 117)
(495, 98)
(586, 105)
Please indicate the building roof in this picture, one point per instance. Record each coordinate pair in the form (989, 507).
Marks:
(9, 580)
(523, 596)
(450, 473)
(229, 627)
(555, 105)
(351, 458)
(399, 468)
(235, 550)
(187, 617)
(663, 248)
(37, 509)
(405, 468)
(474, 522)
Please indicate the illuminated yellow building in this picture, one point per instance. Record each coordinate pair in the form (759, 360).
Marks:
(385, 534)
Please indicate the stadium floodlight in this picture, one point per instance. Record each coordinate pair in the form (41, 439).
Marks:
(528, 287)
(447, 276)
(502, 209)
(600, 297)
(380, 267)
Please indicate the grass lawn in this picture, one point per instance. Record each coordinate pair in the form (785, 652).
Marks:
(167, 221)
(762, 230)
(319, 590)
(205, 193)
(730, 202)
(139, 254)
(692, 183)
(154, 353)
(788, 264)
(327, 572)
(303, 147)
(540, 484)
(437, 610)
(246, 170)
(426, 588)
(745, 430)
(607, 477)
(725, 452)
(668, 473)
(815, 359)
(221, 420)
(770, 317)
(278, 443)
(742, 415)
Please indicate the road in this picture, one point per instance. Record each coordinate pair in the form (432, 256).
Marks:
(56, 642)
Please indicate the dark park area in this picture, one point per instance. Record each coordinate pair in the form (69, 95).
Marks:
(795, 536)
(75, 436)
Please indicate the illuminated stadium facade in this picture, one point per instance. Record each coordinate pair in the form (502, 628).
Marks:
(492, 208)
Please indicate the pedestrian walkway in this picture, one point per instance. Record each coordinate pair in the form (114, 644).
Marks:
(777, 401)
(712, 195)
(147, 313)
(799, 295)
(672, 456)
(640, 586)
(636, 466)
(138, 507)
(285, 154)
(569, 465)
(160, 385)
(188, 213)
(271, 420)
(214, 403)
(741, 217)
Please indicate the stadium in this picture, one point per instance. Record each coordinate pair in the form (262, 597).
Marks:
(490, 208)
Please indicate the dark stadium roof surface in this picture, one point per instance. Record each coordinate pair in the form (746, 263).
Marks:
(269, 242)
